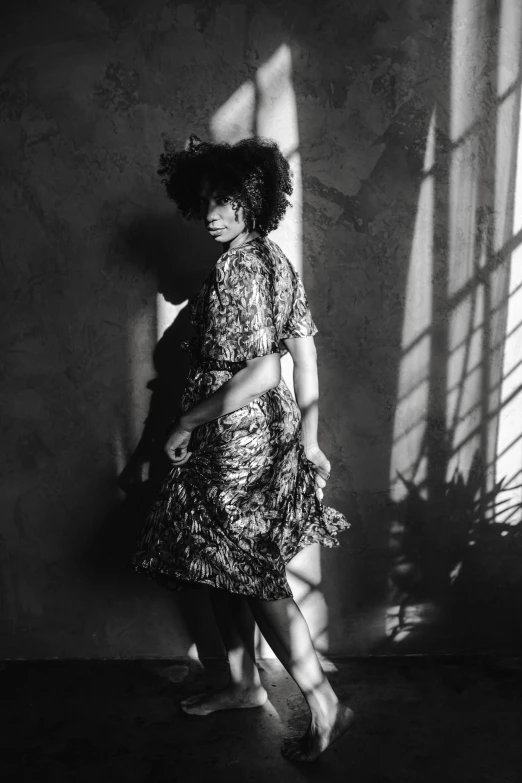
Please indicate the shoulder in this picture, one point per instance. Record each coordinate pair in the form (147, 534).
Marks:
(279, 257)
(249, 261)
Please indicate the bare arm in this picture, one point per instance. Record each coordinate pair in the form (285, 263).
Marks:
(259, 376)
(306, 385)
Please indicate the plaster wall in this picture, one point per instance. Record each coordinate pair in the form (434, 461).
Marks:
(88, 239)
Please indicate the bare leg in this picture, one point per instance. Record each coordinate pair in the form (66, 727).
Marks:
(286, 631)
(237, 628)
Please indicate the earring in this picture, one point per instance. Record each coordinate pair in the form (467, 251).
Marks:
(253, 224)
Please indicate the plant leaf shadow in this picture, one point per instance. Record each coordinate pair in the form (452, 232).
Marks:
(455, 568)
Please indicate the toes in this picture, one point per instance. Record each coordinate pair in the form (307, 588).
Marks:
(194, 699)
(193, 706)
(290, 747)
(187, 703)
(195, 710)
(293, 750)
(295, 753)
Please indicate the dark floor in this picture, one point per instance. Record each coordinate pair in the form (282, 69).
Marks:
(417, 719)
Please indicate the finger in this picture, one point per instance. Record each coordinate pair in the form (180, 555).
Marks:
(320, 481)
(325, 470)
(178, 459)
(175, 450)
(177, 462)
(319, 494)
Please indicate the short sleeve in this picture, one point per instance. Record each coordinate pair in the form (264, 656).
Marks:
(299, 322)
(240, 322)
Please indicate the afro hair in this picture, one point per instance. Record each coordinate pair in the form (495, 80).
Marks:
(253, 173)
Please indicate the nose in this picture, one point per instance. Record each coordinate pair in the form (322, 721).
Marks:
(211, 213)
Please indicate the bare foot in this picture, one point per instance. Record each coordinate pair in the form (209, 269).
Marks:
(318, 738)
(230, 698)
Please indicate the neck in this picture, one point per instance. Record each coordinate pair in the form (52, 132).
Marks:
(241, 239)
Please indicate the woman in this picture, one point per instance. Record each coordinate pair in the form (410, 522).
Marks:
(244, 493)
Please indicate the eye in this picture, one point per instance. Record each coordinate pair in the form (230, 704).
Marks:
(223, 199)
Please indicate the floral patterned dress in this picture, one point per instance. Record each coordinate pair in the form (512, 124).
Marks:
(244, 504)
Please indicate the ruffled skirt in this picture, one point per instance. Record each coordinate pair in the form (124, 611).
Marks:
(242, 506)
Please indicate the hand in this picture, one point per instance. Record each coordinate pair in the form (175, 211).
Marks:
(177, 444)
(322, 467)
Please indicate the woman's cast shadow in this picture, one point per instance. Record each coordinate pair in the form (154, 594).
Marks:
(181, 256)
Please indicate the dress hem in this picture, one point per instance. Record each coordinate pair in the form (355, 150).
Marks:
(173, 579)
(177, 583)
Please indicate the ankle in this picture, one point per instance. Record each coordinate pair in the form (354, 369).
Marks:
(243, 672)
(323, 704)
(245, 683)
(244, 687)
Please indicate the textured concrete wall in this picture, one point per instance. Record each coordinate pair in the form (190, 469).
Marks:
(88, 237)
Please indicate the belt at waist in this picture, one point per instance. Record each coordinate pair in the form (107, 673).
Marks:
(208, 362)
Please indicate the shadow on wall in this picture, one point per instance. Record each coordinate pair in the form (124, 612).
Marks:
(395, 90)
(454, 565)
(181, 255)
(455, 579)
(389, 112)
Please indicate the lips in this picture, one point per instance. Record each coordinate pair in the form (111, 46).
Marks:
(215, 230)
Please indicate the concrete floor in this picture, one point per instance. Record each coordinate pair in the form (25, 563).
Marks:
(417, 720)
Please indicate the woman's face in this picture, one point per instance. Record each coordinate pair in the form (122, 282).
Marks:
(217, 212)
